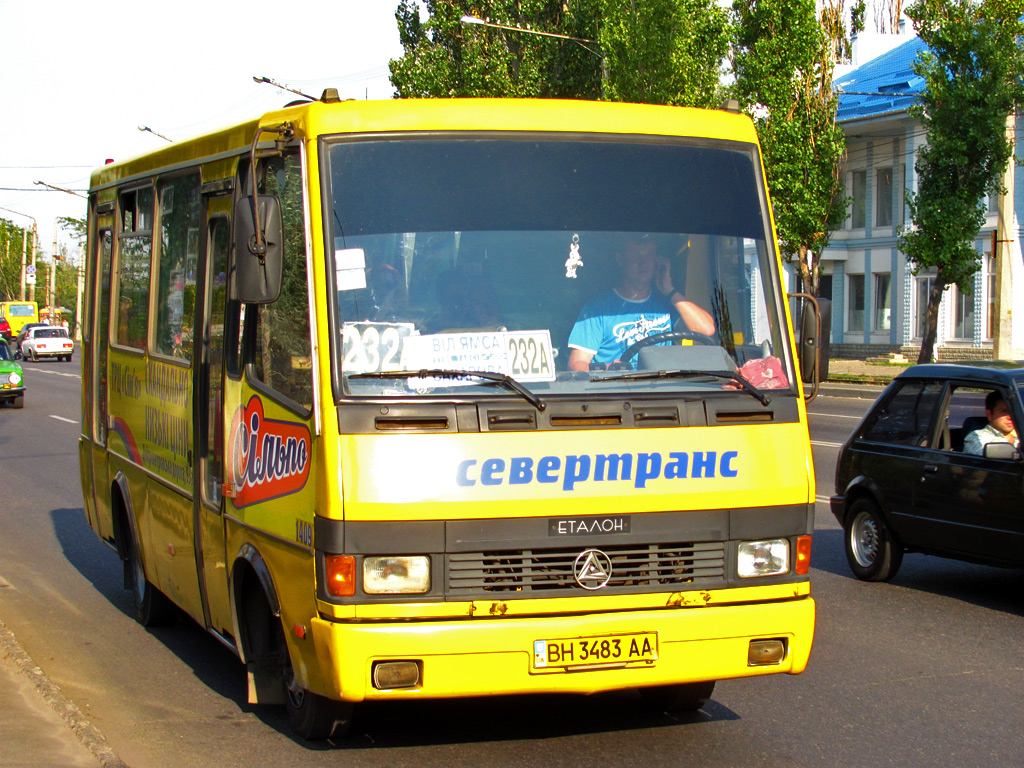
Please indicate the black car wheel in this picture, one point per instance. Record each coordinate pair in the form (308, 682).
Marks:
(871, 549)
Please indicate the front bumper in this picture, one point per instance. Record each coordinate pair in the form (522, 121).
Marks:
(493, 656)
(838, 506)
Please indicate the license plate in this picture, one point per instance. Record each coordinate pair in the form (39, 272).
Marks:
(606, 650)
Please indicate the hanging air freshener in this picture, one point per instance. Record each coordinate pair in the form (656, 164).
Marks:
(574, 259)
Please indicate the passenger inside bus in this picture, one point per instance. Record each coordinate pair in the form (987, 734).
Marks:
(642, 304)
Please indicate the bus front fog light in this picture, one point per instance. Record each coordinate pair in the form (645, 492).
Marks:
(396, 575)
(762, 652)
(763, 558)
(396, 674)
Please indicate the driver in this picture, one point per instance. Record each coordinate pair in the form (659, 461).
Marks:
(633, 310)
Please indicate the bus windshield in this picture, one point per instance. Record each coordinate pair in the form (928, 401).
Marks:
(562, 263)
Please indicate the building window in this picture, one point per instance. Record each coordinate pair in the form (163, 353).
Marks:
(922, 289)
(990, 302)
(883, 197)
(855, 302)
(963, 312)
(859, 208)
(883, 301)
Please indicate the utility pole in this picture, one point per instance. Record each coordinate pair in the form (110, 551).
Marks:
(51, 298)
(1002, 325)
(24, 245)
(32, 263)
(78, 303)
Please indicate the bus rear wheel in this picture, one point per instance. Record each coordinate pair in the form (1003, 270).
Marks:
(152, 607)
(682, 697)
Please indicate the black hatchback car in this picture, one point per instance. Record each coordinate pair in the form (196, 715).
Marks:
(905, 484)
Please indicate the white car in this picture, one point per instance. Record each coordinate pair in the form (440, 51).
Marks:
(46, 341)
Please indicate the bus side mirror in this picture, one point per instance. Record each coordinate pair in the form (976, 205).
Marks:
(257, 259)
(813, 343)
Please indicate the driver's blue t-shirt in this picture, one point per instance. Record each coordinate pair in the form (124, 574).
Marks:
(608, 324)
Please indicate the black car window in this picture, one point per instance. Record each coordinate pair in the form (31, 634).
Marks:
(963, 413)
(905, 416)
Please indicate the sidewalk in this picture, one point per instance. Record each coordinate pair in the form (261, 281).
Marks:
(38, 726)
(862, 372)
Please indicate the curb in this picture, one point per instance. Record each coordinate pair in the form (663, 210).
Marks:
(72, 716)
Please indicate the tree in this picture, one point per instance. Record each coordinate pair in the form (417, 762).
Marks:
(75, 227)
(973, 72)
(11, 239)
(654, 52)
(783, 62)
(446, 58)
(665, 51)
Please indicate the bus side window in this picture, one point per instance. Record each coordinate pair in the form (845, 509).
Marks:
(133, 266)
(282, 357)
(178, 254)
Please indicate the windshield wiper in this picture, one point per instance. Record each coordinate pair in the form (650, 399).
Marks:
(500, 379)
(684, 374)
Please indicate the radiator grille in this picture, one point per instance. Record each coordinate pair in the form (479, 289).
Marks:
(635, 568)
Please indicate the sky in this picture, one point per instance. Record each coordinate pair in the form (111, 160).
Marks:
(78, 79)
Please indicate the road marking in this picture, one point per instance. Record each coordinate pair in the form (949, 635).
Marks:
(827, 445)
(823, 499)
(833, 415)
(61, 418)
(53, 373)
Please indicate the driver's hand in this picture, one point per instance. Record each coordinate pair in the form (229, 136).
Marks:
(663, 275)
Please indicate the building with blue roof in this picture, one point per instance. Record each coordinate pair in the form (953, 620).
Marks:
(878, 304)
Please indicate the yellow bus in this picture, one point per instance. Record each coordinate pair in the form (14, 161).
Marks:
(355, 401)
(18, 314)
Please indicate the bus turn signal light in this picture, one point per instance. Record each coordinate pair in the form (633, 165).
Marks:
(803, 555)
(341, 575)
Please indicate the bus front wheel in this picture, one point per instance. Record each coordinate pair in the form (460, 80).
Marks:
(684, 697)
(313, 717)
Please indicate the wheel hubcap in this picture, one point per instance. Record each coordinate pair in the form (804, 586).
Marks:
(864, 539)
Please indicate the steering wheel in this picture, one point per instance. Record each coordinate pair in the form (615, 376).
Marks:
(657, 338)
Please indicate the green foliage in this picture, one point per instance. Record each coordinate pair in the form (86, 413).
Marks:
(75, 227)
(973, 71)
(857, 17)
(11, 240)
(446, 58)
(783, 61)
(665, 51)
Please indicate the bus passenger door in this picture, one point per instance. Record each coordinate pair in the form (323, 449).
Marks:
(94, 368)
(209, 427)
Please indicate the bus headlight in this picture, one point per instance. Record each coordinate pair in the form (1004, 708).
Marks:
(396, 575)
(763, 558)
(14, 378)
